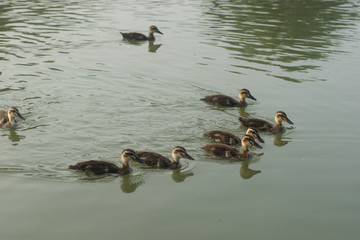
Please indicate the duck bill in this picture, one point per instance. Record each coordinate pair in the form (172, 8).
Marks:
(288, 120)
(159, 32)
(139, 160)
(252, 97)
(188, 156)
(257, 145)
(20, 116)
(259, 138)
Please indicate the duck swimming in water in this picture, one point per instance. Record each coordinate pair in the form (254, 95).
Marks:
(98, 167)
(226, 101)
(10, 118)
(228, 138)
(157, 160)
(263, 125)
(230, 152)
(141, 37)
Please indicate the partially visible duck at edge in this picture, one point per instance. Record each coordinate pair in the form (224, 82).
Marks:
(226, 101)
(141, 37)
(10, 118)
(263, 125)
(228, 138)
(157, 160)
(98, 167)
(230, 152)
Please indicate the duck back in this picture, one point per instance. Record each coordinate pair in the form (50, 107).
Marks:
(222, 100)
(3, 114)
(222, 150)
(259, 124)
(223, 137)
(154, 159)
(134, 36)
(98, 167)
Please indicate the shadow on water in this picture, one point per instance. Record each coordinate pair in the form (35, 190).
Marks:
(151, 46)
(129, 183)
(245, 171)
(280, 140)
(281, 36)
(14, 136)
(180, 176)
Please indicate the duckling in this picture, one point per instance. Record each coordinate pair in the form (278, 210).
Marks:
(10, 118)
(263, 125)
(154, 159)
(226, 101)
(98, 167)
(228, 138)
(230, 152)
(141, 37)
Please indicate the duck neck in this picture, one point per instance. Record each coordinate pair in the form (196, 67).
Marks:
(175, 165)
(242, 98)
(176, 158)
(12, 119)
(245, 148)
(278, 122)
(125, 163)
(151, 36)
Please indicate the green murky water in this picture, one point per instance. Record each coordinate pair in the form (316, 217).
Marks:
(87, 94)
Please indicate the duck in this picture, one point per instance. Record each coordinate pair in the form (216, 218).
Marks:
(264, 125)
(230, 152)
(99, 167)
(141, 37)
(228, 138)
(226, 101)
(10, 119)
(157, 160)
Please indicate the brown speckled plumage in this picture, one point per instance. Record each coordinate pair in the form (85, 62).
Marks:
(157, 160)
(226, 101)
(228, 138)
(224, 151)
(98, 167)
(263, 125)
(224, 137)
(141, 37)
(230, 152)
(10, 118)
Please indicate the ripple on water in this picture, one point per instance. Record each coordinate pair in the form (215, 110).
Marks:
(278, 36)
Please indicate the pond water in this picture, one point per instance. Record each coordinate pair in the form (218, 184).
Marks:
(88, 94)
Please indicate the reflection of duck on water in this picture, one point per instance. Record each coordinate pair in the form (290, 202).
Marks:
(246, 172)
(13, 136)
(129, 183)
(179, 176)
(153, 47)
(280, 141)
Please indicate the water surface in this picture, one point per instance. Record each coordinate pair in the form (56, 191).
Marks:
(87, 94)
